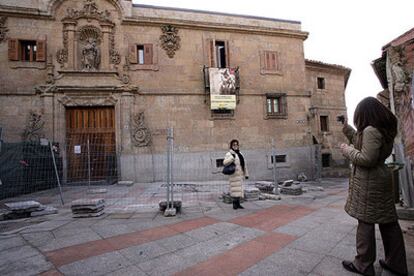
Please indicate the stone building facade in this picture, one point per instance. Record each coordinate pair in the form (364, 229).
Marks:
(117, 75)
(395, 71)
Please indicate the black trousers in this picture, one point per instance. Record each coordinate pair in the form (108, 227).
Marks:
(394, 249)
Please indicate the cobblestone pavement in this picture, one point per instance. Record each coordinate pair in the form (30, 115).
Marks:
(308, 234)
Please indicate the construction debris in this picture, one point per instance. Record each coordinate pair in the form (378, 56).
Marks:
(251, 193)
(292, 190)
(25, 209)
(84, 208)
(264, 196)
(265, 186)
(125, 183)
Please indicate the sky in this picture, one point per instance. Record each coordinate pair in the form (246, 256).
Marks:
(350, 33)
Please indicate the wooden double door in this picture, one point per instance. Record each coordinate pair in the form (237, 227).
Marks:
(91, 145)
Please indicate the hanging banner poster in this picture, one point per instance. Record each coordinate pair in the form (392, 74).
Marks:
(222, 88)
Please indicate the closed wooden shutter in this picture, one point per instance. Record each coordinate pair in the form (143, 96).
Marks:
(273, 61)
(13, 49)
(148, 54)
(227, 51)
(262, 60)
(41, 50)
(133, 54)
(267, 60)
(211, 52)
(284, 106)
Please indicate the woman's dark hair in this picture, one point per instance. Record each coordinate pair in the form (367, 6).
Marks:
(233, 141)
(371, 112)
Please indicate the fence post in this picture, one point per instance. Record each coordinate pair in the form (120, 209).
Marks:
(170, 210)
(56, 171)
(276, 185)
(89, 164)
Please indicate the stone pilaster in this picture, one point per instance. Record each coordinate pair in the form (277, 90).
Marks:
(126, 109)
(48, 109)
(105, 46)
(70, 28)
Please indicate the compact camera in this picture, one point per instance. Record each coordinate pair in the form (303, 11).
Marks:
(341, 118)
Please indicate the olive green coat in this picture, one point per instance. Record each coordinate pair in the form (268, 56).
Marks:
(371, 197)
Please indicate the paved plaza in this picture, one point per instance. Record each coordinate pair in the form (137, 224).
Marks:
(308, 234)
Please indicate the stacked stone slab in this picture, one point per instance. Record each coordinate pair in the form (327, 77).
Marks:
(290, 187)
(265, 186)
(24, 209)
(251, 193)
(84, 208)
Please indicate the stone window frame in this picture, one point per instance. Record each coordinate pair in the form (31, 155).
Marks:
(283, 114)
(210, 52)
(285, 164)
(321, 83)
(327, 161)
(133, 57)
(15, 50)
(265, 57)
(327, 130)
(216, 115)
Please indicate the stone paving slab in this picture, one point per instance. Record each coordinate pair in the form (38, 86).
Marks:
(144, 252)
(164, 265)
(239, 258)
(310, 244)
(177, 242)
(16, 254)
(97, 265)
(130, 270)
(207, 238)
(286, 262)
(32, 265)
(11, 242)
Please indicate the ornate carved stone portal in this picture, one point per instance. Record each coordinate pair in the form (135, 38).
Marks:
(89, 34)
(90, 52)
(140, 133)
(33, 130)
(170, 41)
(3, 28)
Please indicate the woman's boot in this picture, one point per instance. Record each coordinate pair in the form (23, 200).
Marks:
(235, 205)
(238, 204)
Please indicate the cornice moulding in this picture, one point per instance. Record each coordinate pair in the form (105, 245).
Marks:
(185, 24)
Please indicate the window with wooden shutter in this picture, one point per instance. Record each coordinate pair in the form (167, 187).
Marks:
(143, 57)
(211, 52)
(133, 54)
(41, 50)
(227, 51)
(270, 62)
(276, 105)
(28, 50)
(147, 53)
(221, 54)
(13, 49)
(324, 123)
(218, 53)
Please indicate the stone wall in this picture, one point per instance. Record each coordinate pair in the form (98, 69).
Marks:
(170, 91)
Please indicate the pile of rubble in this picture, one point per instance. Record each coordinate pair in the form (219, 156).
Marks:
(290, 187)
(25, 209)
(251, 193)
(265, 186)
(84, 208)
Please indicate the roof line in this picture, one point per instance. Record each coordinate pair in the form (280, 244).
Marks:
(217, 13)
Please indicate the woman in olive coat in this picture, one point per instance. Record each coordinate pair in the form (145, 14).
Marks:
(236, 179)
(370, 198)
